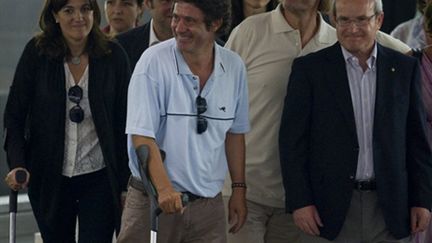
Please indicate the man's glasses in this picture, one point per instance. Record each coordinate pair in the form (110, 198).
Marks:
(201, 104)
(76, 113)
(361, 21)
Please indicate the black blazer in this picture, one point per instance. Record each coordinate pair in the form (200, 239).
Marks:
(135, 42)
(35, 122)
(318, 140)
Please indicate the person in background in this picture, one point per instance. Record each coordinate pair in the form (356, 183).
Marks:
(355, 159)
(64, 124)
(188, 97)
(425, 57)
(268, 43)
(122, 15)
(158, 29)
(241, 9)
(397, 11)
(412, 32)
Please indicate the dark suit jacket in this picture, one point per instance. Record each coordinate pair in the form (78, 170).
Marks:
(318, 140)
(135, 42)
(35, 123)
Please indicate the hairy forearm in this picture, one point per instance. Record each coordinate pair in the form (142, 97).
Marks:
(157, 172)
(235, 153)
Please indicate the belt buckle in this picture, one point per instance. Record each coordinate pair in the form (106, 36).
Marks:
(365, 185)
(191, 197)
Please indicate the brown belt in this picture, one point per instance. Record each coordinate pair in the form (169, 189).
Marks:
(136, 184)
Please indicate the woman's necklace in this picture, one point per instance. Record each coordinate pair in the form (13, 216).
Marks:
(76, 60)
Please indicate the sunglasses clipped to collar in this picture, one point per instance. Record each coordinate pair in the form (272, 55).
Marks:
(201, 104)
(75, 95)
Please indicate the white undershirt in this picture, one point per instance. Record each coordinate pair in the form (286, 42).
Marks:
(153, 39)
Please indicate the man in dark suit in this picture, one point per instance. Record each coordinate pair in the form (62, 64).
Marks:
(158, 29)
(353, 150)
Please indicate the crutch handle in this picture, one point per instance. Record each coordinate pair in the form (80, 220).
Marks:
(184, 199)
(20, 177)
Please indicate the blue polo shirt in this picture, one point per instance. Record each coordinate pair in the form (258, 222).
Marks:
(161, 105)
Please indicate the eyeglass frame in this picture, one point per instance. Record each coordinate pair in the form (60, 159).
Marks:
(360, 21)
(201, 105)
(75, 95)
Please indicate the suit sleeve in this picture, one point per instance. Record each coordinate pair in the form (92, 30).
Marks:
(419, 157)
(18, 107)
(294, 137)
(123, 77)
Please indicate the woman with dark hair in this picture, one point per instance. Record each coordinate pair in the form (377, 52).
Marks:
(425, 57)
(241, 9)
(64, 122)
(122, 15)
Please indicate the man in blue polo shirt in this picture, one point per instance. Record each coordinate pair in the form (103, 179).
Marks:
(188, 96)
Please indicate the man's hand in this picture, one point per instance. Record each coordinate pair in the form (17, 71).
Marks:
(237, 209)
(170, 201)
(308, 220)
(10, 179)
(420, 218)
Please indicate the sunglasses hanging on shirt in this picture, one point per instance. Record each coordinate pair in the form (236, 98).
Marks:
(76, 113)
(201, 104)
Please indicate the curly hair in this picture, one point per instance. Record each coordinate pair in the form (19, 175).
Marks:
(51, 41)
(213, 10)
(421, 5)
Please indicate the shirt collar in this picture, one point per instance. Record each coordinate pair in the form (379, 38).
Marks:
(279, 22)
(325, 32)
(153, 40)
(183, 68)
(349, 57)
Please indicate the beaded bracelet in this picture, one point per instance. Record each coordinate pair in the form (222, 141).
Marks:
(238, 184)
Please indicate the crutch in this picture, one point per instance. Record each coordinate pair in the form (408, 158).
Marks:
(143, 154)
(20, 177)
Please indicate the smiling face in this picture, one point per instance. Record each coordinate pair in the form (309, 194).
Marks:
(190, 31)
(75, 20)
(357, 25)
(122, 15)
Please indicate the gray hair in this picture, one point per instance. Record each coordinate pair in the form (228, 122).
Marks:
(378, 7)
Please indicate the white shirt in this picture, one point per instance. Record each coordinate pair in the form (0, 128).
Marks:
(411, 32)
(153, 39)
(363, 92)
(161, 105)
(268, 46)
(82, 153)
